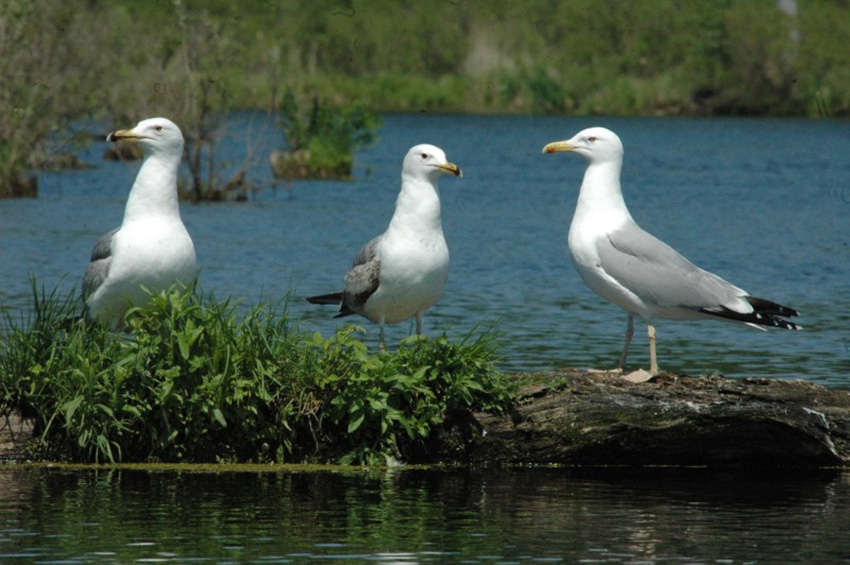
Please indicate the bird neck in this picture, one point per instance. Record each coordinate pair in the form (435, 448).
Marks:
(417, 208)
(600, 192)
(155, 191)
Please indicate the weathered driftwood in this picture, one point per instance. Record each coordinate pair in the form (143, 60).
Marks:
(581, 418)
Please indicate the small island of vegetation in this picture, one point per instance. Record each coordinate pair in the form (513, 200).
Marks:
(321, 141)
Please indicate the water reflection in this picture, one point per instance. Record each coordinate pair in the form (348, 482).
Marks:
(417, 516)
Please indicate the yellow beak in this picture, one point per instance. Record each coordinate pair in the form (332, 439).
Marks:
(123, 135)
(451, 168)
(558, 147)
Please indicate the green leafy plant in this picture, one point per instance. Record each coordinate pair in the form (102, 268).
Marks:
(389, 404)
(199, 380)
(54, 369)
(192, 382)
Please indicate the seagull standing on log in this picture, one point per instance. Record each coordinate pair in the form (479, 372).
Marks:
(633, 269)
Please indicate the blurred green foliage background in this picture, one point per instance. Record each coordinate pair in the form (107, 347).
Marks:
(121, 60)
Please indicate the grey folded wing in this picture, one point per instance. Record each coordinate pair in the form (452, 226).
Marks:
(363, 278)
(659, 275)
(98, 267)
(368, 252)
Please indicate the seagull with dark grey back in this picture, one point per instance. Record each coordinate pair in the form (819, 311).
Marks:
(402, 272)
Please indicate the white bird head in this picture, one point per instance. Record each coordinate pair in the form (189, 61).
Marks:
(155, 135)
(428, 162)
(596, 145)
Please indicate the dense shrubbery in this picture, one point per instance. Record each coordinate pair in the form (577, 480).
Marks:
(196, 380)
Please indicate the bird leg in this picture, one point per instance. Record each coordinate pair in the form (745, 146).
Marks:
(653, 359)
(382, 342)
(630, 331)
(419, 323)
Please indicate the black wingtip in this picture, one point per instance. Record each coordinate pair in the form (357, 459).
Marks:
(765, 313)
(332, 298)
(772, 308)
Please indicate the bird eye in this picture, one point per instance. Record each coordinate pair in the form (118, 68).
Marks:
(158, 128)
(424, 155)
(592, 139)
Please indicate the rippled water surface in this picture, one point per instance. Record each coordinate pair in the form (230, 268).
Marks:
(418, 516)
(763, 203)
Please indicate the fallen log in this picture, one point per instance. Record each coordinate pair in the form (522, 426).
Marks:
(574, 417)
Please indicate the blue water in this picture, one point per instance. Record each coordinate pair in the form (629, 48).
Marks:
(416, 516)
(763, 203)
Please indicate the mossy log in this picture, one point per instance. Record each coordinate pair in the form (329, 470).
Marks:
(579, 418)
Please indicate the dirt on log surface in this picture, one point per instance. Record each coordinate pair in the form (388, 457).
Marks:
(579, 418)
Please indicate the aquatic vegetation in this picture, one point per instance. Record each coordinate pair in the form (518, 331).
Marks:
(321, 138)
(202, 380)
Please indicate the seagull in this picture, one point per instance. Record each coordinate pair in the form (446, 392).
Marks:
(633, 269)
(402, 272)
(152, 249)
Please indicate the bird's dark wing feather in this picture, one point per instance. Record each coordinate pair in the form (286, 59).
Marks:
(360, 282)
(368, 252)
(98, 267)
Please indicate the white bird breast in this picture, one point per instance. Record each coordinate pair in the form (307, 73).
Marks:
(413, 275)
(153, 253)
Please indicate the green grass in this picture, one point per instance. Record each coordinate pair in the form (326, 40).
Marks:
(200, 380)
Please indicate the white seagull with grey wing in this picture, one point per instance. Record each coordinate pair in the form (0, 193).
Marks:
(402, 272)
(638, 272)
(152, 249)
